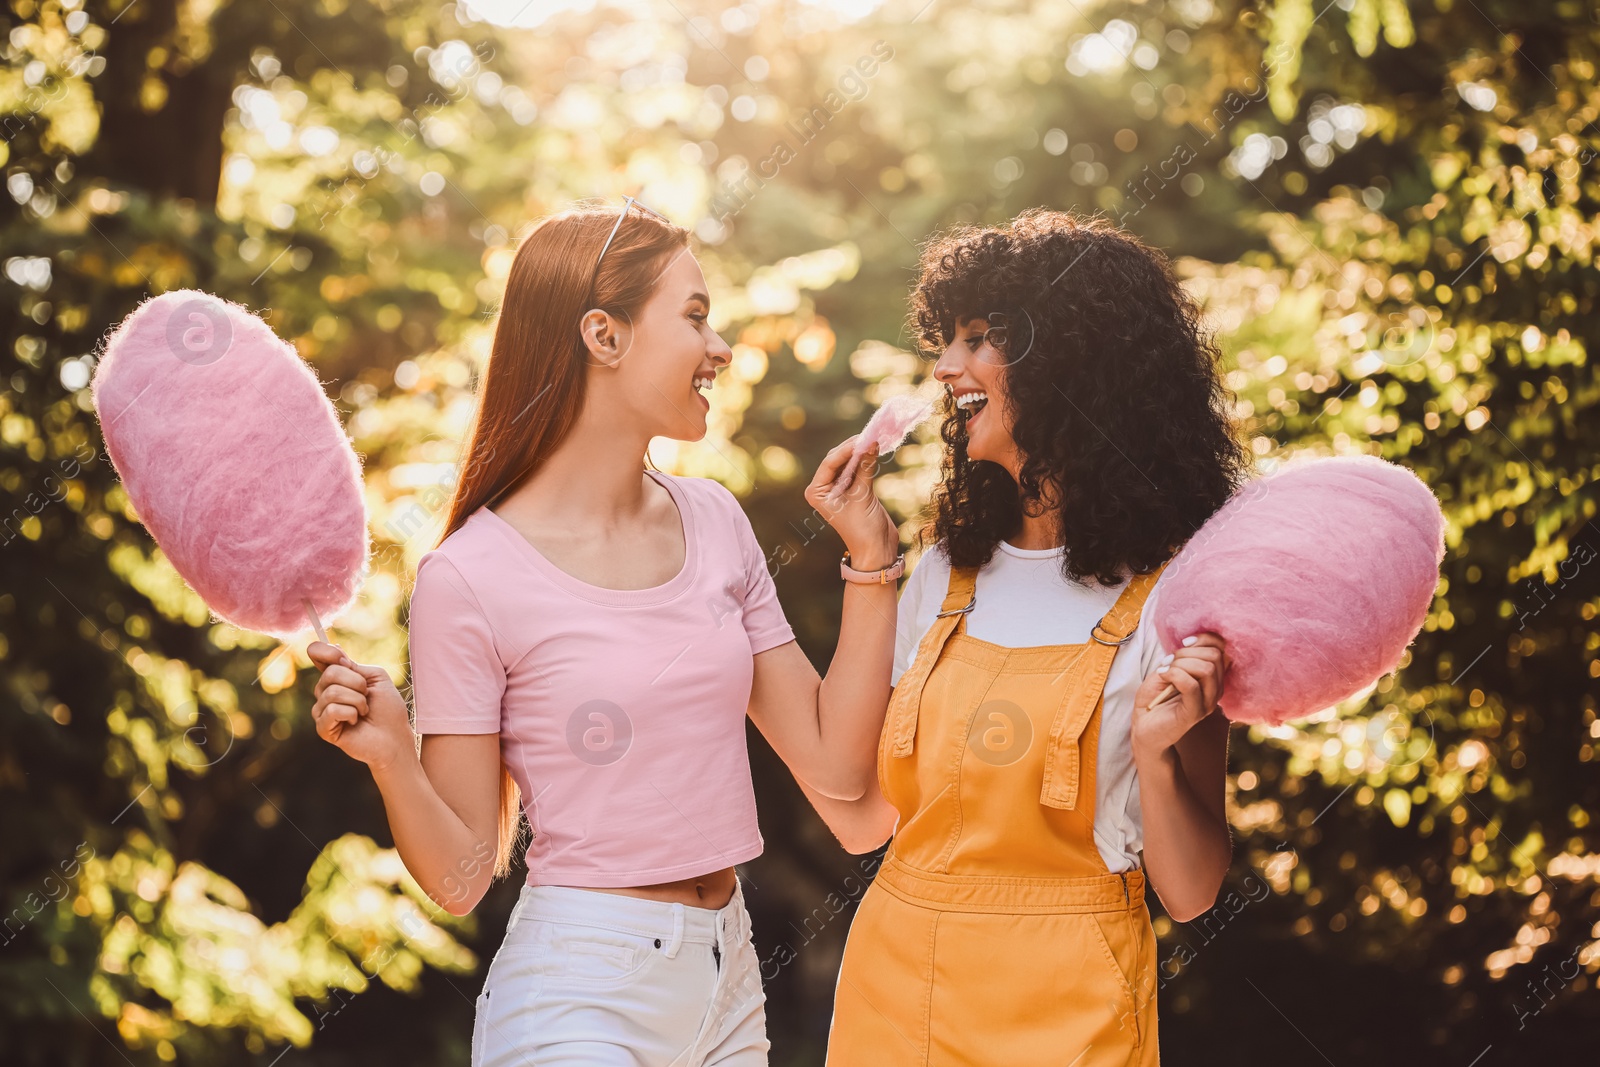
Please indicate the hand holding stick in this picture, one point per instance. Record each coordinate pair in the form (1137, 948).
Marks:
(1191, 683)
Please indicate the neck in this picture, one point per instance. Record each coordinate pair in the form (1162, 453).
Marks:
(1038, 522)
(1038, 531)
(594, 476)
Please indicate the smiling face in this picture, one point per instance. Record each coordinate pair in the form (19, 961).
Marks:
(654, 372)
(975, 372)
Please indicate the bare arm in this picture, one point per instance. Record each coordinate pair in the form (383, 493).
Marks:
(860, 825)
(443, 805)
(444, 810)
(826, 729)
(1180, 748)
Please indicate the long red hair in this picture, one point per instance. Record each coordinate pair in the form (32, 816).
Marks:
(532, 389)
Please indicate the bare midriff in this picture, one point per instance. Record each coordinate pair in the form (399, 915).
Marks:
(712, 890)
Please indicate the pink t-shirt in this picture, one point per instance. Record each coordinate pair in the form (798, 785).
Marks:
(620, 712)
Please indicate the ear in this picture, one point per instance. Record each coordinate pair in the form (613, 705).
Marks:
(606, 338)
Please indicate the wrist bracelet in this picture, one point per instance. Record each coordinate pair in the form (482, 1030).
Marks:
(878, 577)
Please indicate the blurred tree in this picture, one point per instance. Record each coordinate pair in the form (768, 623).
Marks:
(172, 857)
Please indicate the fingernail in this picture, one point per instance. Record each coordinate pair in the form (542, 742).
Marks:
(1187, 641)
(1161, 670)
(1166, 659)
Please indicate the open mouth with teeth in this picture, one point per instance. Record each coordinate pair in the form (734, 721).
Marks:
(702, 386)
(970, 404)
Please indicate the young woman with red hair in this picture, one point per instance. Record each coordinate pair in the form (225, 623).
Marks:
(586, 641)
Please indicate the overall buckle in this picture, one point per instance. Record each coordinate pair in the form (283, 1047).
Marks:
(962, 611)
(1095, 634)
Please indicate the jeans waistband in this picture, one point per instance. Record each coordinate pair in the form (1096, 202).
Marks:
(669, 921)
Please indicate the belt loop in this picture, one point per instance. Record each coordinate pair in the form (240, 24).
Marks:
(521, 906)
(739, 916)
(677, 931)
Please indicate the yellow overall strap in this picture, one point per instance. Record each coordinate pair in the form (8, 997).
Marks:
(1084, 688)
(907, 700)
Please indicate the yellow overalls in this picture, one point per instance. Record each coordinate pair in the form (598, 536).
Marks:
(994, 934)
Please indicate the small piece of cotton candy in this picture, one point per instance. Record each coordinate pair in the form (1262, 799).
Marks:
(887, 429)
(1317, 577)
(235, 460)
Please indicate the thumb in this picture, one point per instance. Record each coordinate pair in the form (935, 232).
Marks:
(374, 675)
(324, 654)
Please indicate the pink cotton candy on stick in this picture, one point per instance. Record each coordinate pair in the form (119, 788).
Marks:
(1318, 577)
(887, 429)
(235, 461)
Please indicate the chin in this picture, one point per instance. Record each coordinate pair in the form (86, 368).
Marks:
(691, 433)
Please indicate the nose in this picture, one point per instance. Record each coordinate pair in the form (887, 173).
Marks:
(717, 350)
(950, 364)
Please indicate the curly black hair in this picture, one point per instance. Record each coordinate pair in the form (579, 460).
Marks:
(1119, 413)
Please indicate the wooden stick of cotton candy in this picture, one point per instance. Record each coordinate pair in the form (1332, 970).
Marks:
(887, 429)
(235, 461)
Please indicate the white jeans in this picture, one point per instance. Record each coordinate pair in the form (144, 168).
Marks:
(588, 979)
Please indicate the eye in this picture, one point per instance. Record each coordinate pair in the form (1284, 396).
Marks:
(697, 316)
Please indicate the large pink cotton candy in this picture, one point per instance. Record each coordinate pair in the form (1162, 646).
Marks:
(887, 428)
(1318, 577)
(235, 461)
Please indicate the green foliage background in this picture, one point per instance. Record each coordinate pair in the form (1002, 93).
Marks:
(1387, 206)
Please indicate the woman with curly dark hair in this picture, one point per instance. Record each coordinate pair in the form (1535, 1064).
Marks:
(1040, 756)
